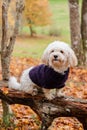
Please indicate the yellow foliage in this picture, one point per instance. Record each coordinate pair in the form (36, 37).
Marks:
(37, 12)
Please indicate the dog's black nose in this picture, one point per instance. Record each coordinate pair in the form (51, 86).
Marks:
(55, 56)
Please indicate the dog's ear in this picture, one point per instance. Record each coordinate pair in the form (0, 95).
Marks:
(45, 57)
(72, 58)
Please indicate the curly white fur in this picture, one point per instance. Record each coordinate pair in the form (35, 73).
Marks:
(65, 56)
(57, 55)
(25, 84)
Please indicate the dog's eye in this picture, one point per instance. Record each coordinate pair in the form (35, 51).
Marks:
(52, 51)
(61, 51)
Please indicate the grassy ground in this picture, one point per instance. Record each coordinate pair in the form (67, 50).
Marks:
(33, 47)
(60, 17)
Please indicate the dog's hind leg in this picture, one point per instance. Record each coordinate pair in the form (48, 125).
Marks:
(13, 83)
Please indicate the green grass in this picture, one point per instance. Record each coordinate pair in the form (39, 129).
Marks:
(31, 47)
(61, 17)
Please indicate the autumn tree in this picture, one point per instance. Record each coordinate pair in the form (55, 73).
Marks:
(7, 44)
(37, 13)
(79, 30)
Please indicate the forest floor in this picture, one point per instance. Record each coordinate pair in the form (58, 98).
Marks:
(26, 119)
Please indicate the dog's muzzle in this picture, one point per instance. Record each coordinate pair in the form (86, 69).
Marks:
(55, 58)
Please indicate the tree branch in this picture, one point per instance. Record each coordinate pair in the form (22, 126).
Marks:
(48, 110)
(19, 10)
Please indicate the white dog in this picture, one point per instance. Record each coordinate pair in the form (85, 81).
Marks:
(57, 58)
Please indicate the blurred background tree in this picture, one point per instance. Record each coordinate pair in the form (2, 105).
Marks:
(84, 30)
(78, 28)
(37, 13)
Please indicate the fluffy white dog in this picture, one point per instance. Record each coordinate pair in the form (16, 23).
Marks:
(57, 58)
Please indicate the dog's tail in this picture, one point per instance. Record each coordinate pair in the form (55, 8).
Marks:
(13, 83)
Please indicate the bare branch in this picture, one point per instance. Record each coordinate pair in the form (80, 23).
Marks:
(6, 49)
(19, 10)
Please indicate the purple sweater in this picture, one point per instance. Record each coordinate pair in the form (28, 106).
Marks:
(45, 77)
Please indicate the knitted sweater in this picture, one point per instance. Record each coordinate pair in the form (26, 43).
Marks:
(44, 76)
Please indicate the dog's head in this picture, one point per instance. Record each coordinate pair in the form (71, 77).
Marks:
(59, 56)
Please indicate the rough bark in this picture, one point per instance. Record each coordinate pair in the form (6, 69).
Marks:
(48, 110)
(84, 29)
(4, 58)
(8, 44)
(4, 42)
(75, 29)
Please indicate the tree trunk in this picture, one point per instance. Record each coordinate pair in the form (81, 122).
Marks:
(31, 31)
(48, 110)
(4, 58)
(30, 27)
(75, 29)
(84, 29)
(7, 48)
(4, 42)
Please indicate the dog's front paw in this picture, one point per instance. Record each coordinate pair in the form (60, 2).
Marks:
(34, 92)
(60, 93)
(50, 96)
(49, 93)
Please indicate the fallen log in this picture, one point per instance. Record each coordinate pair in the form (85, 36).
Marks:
(46, 109)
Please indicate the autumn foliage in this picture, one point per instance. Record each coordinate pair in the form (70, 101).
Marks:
(37, 12)
(26, 119)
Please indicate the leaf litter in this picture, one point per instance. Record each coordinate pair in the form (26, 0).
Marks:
(26, 119)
